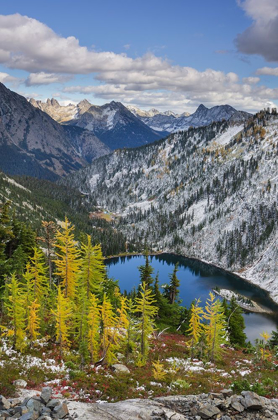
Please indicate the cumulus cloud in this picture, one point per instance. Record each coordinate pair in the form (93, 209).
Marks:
(148, 80)
(43, 78)
(262, 36)
(269, 71)
(251, 80)
(7, 78)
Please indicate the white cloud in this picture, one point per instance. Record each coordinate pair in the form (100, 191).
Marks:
(262, 36)
(251, 80)
(7, 78)
(148, 80)
(269, 71)
(43, 78)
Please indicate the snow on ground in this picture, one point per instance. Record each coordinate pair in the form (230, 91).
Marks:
(225, 138)
(12, 181)
(110, 114)
(93, 181)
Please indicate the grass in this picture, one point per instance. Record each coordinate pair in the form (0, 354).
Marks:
(182, 375)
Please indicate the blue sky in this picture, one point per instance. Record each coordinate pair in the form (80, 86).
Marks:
(168, 55)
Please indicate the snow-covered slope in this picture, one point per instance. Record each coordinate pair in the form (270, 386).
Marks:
(171, 122)
(208, 193)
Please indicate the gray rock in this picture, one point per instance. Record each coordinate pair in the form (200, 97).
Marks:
(20, 383)
(14, 401)
(120, 368)
(227, 392)
(252, 401)
(225, 418)
(208, 411)
(237, 406)
(34, 404)
(46, 394)
(60, 411)
(52, 403)
(29, 416)
(4, 403)
(44, 417)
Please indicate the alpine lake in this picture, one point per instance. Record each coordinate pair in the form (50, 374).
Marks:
(197, 279)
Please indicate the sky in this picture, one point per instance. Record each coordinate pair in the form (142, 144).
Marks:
(150, 54)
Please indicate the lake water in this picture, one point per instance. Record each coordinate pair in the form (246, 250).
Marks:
(196, 281)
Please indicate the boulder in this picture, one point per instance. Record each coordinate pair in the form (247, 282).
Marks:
(120, 368)
(20, 383)
(207, 411)
(252, 401)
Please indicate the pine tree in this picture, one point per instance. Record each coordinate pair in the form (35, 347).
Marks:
(146, 310)
(81, 310)
(146, 272)
(14, 305)
(236, 324)
(68, 262)
(94, 317)
(37, 275)
(62, 315)
(33, 322)
(174, 286)
(92, 270)
(108, 331)
(215, 329)
(195, 325)
(49, 230)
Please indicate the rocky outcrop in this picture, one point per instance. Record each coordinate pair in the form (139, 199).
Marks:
(221, 406)
(41, 407)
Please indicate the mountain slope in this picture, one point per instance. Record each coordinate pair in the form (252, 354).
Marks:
(112, 123)
(33, 143)
(35, 200)
(202, 116)
(208, 193)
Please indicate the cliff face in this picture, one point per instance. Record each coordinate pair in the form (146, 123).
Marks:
(33, 143)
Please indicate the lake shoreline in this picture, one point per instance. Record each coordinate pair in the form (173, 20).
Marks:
(157, 253)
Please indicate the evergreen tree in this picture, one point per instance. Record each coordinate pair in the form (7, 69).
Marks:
(146, 310)
(236, 324)
(215, 329)
(94, 317)
(195, 325)
(14, 305)
(33, 322)
(92, 269)
(68, 262)
(174, 286)
(62, 315)
(146, 272)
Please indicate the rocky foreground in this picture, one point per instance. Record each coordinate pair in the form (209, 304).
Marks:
(220, 406)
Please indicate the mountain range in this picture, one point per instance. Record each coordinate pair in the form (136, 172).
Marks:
(118, 126)
(208, 193)
(112, 123)
(171, 122)
(32, 143)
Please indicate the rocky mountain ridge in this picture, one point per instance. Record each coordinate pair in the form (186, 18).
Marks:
(112, 123)
(32, 143)
(209, 193)
(171, 122)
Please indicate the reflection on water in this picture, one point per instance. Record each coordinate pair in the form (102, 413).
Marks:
(196, 280)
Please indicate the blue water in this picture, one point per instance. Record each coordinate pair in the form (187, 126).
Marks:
(196, 281)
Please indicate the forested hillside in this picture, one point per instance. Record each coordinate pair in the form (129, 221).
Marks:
(32, 201)
(209, 193)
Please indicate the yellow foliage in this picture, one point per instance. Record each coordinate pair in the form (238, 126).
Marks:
(62, 315)
(158, 371)
(68, 262)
